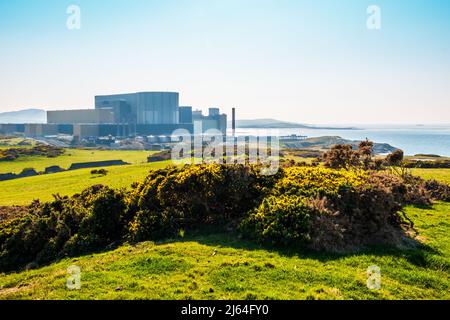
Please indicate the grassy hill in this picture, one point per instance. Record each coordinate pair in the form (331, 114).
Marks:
(220, 266)
(73, 156)
(23, 191)
(211, 265)
(442, 175)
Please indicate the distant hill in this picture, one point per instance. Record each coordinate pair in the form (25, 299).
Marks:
(24, 116)
(273, 123)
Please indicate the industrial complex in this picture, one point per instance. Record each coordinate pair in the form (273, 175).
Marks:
(124, 115)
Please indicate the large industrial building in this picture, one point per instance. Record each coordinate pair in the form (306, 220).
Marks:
(146, 107)
(124, 115)
(214, 120)
(81, 116)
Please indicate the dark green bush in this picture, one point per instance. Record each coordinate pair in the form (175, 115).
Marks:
(331, 209)
(195, 195)
(279, 220)
(105, 220)
(152, 225)
(427, 164)
(11, 154)
(40, 235)
(83, 223)
(102, 172)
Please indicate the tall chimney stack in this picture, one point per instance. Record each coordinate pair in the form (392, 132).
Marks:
(233, 122)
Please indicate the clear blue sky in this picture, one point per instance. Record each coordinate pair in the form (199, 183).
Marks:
(307, 61)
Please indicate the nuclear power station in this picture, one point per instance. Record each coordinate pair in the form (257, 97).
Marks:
(124, 115)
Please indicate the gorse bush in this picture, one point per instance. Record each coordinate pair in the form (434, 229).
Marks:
(173, 199)
(342, 156)
(64, 226)
(104, 220)
(323, 208)
(317, 181)
(39, 235)
(342, 208)
(280, 220)
(438, 190)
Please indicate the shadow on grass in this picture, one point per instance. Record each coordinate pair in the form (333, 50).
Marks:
(416, 252)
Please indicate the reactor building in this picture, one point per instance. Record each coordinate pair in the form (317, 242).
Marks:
(123, 115)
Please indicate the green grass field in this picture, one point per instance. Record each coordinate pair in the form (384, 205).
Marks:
(220, 266)
(73, 156)
(23, 191)
(442, 175)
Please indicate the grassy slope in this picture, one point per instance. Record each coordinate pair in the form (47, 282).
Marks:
(234, 269)
(438, 174)
(23, 191)
(73, 156)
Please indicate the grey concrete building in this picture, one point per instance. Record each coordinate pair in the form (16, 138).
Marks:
(40, 129)
(214, 120)
(146, 107)
(81, 116)
(185, 115)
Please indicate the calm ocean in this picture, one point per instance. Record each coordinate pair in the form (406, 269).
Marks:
(411, 139)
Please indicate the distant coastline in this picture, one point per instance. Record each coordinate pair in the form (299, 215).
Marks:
(429, 139)
(277, 124)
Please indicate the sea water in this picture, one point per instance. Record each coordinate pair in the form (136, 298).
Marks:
(418, 139)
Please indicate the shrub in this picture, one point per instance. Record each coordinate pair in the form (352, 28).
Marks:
(39, 235)
(195, 195)
(342, 209)
(85, 222)
(341, 157)
(279, 220)
(437, 190)
(317, 181)
(371, 213)
(105, 221)
(344, 157)
(210, 192)
(102, 172)
(38, 150)
(427, 164)
(395, 158)
(151, 225)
